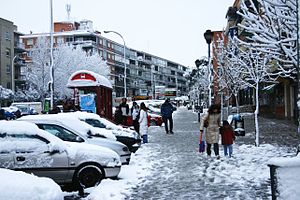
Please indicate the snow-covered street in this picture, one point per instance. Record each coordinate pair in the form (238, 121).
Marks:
(170, 167)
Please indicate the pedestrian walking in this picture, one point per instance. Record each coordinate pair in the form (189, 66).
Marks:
(143, 121)
(227, 138)
(211, 121)
(135, 113)
(124, 107)
(166, 111)
(118, 115)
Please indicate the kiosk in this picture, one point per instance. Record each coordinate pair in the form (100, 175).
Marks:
(98, 88)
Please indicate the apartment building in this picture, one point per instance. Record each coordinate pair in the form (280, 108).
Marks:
(10, 55)
(144, 71)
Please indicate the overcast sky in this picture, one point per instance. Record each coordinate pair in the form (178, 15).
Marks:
(171, 29)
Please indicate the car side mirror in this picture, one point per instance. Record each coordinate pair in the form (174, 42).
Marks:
(79, 139)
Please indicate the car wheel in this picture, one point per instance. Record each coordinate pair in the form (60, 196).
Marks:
(89, 176)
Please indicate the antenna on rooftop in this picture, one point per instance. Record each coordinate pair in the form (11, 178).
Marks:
(68, 9)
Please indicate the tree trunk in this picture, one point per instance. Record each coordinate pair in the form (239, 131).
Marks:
(237, 103)
(256, 115)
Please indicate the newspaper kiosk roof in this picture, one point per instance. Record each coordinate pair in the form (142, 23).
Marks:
(85, 78)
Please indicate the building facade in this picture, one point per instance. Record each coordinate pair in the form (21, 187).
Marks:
(143, 70)
(11, 50)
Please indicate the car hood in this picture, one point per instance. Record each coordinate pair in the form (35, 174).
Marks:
(114, 145)
(83, 152)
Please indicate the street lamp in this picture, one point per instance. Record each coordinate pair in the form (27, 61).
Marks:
(208, 35)
(51, 56)
(125, 74)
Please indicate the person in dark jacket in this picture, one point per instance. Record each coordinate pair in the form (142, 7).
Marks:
(135, 113)
(227, 135)
(166, 112)
(118, 115)
(124, 107)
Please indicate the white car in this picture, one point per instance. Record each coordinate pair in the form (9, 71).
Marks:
(73, 130)
(126, 136)
(25, 147)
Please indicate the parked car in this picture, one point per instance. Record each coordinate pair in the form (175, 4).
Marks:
(25, 147)
(74, 130)
(26, 110)
(154, 115)
(9, 113)
(126, 136)
(155, 119)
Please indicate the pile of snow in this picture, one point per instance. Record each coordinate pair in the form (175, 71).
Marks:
(288, 177)
(17, 185)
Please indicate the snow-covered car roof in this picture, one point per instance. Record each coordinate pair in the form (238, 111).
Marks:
(117, 129)
(72, 123)
(27, 128)
(21, 185)
(10, 109)
(85, 115)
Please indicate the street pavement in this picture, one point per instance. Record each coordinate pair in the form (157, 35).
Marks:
(180, 172)
(176, 170)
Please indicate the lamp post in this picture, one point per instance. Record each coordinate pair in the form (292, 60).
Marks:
(208, 35)
(13, 73)
(125, 74)
(51, 56)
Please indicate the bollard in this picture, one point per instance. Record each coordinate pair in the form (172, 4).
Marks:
(274, 181)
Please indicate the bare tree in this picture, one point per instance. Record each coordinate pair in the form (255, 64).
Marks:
(272, 28)
(67, 60)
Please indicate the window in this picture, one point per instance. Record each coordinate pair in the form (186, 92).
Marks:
(7, 35)
(110, 56)
(23, 143)
(95, 123)
(100, 53)
(60, 132)
(60, 40)
(7, 52)
(8, 69)
(69, 39)
(8, 85)
(30, 41)
(101, 42)
(110, 45)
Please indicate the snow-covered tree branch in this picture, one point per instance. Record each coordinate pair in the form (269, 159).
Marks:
(67, 60)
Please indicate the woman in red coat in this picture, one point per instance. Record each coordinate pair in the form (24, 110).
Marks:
(228, 137)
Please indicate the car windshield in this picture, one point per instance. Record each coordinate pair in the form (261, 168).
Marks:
(95, 123)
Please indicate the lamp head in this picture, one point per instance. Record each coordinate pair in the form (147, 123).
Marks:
(208, 35)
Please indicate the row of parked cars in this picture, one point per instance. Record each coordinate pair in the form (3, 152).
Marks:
(78, 149)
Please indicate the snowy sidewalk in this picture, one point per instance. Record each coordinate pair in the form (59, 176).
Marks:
(170, 167)
(180, 172)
